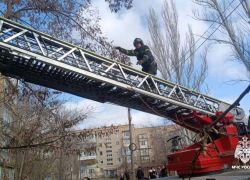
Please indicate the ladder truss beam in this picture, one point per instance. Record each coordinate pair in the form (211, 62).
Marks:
(41, 59)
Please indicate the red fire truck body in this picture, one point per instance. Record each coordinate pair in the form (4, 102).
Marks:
(217, 156)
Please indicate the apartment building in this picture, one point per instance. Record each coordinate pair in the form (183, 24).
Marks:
(112, 153)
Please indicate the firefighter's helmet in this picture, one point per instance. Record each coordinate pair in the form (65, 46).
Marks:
(138, 40)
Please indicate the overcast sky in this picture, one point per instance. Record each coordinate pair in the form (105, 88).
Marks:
(123, 27)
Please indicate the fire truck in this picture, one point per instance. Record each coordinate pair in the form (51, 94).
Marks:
(35, 57)
(228, 143)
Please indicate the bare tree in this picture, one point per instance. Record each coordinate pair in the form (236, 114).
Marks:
(176, 62)
(161, 147)
(73, 21)
(39, 131)
(158, 145)
(231, 19)
(35, 126)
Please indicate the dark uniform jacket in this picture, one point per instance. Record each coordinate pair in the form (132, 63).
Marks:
(143, 53)
(140, 174)
(122, 176)
(127, 175)
(164, 172)
(152, 174)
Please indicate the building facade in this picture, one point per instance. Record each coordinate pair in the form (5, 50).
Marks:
(112, 153)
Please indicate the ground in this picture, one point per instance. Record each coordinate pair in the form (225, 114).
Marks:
(243, 174)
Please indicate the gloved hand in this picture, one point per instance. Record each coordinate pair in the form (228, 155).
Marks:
(118, 48)
(140, 62)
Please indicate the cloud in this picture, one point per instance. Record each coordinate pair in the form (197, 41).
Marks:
(221, 68)
(229, 99)
(107, 114)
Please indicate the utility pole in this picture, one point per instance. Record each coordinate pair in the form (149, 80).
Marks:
(80, 167)
(132, 152)
(71, 169)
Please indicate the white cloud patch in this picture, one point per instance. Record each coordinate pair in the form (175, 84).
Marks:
(223, 69)
(229, 99)
(107, 114)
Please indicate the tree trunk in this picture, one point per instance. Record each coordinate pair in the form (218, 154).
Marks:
(8, 14)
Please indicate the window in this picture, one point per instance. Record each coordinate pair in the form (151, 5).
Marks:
(126, 134)
(83, 171)
(117, 151)
(101, 169)
(7, 116)
(128, 158)
(144, 152)
(99, 137)
(100, 153)
(91, 153)
(116, 135)
(109, 146)
(3, 142)
(142, 136)
(9, 173)
(1, 172)
(100, 161)
(108, 136)
(109, 155)
(110, 159)
(109, 151)
(145, 158)
(117, 143)
(119, 168)
(143, 143)
(100, 145)
(126, 141)
(108, 139)
(118, 159)
(125, 151)
(91, 171)
(91, 137)
(108, 143)
(110, 164)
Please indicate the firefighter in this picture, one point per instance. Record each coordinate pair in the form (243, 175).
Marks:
(144, 56)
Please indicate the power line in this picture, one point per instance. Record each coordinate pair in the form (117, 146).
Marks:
(209, 35)
(211, 25)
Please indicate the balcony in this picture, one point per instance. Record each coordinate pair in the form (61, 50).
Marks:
(89, 156)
